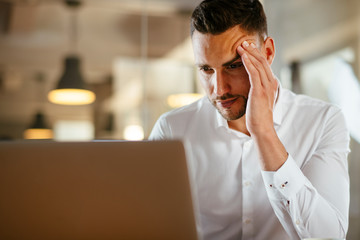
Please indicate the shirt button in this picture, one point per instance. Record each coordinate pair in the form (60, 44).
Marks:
(284, 184)
(247, 183)
(247, 221)
(247, 145)
(297, 222)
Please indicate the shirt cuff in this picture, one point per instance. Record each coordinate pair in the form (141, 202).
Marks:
(285, 182)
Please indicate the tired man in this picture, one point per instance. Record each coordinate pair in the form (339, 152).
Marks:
(266, 163)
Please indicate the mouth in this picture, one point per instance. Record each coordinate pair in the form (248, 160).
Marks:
(227, 103)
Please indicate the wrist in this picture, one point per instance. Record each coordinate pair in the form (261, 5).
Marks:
(272, 152)
(264, 133)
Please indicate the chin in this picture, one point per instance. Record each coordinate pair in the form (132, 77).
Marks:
(231, 115)
(236, 111)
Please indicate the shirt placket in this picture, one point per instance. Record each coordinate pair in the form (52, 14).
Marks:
(247, 189)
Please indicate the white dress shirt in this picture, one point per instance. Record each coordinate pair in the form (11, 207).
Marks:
(307, 197)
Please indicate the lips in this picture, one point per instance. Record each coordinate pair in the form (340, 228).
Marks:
(227, 103)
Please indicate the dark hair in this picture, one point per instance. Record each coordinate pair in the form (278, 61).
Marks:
(217, 16)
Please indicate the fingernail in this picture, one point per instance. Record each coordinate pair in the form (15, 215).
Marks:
(240, 48)
(245, 44)
(252, 45)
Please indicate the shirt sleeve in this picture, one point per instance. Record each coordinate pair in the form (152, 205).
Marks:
(313, 200)
(161, 130)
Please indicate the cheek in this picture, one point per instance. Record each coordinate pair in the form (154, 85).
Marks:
(241, 73)
(240, 80)
(206, 84)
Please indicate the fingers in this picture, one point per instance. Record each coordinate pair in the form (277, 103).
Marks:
(259, 58)
(254, 76)
(257, 64)
(257, 74)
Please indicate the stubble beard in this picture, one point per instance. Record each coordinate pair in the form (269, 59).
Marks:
(228, 113)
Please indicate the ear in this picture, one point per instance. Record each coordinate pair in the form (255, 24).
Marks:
(269, 49)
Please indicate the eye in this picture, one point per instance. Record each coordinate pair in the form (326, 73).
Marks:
(235, 65)
(206, 69)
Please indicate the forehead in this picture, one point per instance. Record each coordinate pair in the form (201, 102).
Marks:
(208, 47)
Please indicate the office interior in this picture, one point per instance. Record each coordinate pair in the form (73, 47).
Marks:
(136, 57)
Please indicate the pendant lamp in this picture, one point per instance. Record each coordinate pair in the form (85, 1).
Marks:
(71, 88)
(38, 129)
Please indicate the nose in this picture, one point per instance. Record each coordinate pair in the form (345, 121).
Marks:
(221, 85)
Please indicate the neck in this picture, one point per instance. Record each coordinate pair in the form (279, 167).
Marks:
(239, 125)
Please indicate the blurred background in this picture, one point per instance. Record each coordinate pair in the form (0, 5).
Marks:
(133, 61)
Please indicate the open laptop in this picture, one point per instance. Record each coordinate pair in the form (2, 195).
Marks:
(95, 190)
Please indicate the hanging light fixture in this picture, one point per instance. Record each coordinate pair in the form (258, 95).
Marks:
(38, 129)
(71, 89)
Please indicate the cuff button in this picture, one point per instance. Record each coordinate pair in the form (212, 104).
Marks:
(284, 184)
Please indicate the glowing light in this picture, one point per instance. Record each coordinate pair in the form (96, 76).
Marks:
(71, 96)
(134, 133)
(179, 100)
(38, 133)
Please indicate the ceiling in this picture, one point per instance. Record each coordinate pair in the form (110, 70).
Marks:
(38, 33)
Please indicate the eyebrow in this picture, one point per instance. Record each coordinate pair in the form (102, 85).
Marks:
(232, 61)
(228, 63)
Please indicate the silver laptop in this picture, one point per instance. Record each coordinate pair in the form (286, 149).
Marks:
(95, 190)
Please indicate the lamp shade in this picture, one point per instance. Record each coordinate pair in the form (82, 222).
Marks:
(38, 129)
(71, 89)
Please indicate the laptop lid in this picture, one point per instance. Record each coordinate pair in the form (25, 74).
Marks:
(95, 190)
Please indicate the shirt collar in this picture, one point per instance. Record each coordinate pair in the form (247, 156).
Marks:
(277, 115)
(220, 121)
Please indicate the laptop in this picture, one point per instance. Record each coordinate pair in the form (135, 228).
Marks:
(95, 190)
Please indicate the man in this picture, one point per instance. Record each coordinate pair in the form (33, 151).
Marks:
(266, 163)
